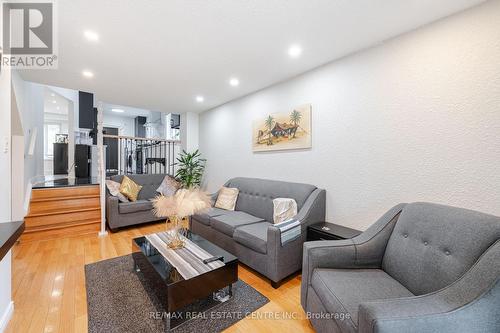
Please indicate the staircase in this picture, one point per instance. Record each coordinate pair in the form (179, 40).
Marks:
(62, 212)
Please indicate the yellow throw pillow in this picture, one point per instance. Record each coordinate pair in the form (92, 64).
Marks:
(227, 198)
(130, 189)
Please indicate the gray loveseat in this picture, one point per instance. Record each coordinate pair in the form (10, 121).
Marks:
(248, 231)
(420, 268)
(122, 214)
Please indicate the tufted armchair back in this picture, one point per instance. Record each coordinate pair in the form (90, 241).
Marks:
(256, 195)
(432, 245)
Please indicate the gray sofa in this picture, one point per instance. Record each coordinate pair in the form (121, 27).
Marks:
(124, 214)
(420, 268)
(248, 231)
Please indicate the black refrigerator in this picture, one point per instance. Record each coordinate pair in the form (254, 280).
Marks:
(60, 158)
(82, 161)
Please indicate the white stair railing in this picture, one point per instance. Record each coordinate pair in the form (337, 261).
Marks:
(144, 155)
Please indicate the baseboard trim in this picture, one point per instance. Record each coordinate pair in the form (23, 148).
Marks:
(6, 316)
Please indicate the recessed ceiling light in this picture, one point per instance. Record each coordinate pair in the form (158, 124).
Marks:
(294, 51)
(53, 95)
(57, 108)
(117, 110)
(91, 35)
(54, 101)
(88, 74)
(234, 82)
(200, 99)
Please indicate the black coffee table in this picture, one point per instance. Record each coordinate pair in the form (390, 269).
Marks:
(172, 290)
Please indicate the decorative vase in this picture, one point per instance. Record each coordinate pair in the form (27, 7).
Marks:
(177, 233)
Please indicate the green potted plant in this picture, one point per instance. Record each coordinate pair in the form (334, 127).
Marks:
(190, 169)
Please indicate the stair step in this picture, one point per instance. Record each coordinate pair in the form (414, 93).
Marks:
(60, 225)
(57, 212)
(63, 212)
(46, 193)
(72, 197)
(63, 205)
(37, 221)
(68, 231)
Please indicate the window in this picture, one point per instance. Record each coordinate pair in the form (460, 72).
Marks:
(49, 134)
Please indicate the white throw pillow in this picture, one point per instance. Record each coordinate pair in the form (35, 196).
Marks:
(227, 198)
(168, 186)
(114, 189)
(284, 209)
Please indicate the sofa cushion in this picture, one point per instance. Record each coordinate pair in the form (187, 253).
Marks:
(168, 186)
(228, 222)
(114, 190)
(136, 206)
(256, 195)
(253, 236)
(432, 245)
(342, 291)
(130, 189)
(205, 217)
(226, 199)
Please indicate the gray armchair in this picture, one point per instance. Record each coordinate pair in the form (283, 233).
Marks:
(420, 268)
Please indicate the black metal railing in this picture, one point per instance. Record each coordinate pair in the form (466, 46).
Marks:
(131, 155)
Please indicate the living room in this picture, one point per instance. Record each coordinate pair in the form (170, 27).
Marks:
(274, 166)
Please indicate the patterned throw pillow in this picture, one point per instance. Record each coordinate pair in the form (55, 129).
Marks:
(284, 209)
(168, 186)
(130, 189)
(114, 190)
(227, 198)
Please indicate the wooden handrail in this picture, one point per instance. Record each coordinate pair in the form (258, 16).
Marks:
(141, 139)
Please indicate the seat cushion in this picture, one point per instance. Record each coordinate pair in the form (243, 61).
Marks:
(135, 206)
(228, 222)
(342, 291)
(253, 236)
(205, 217)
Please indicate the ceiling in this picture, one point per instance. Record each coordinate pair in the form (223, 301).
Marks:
(54, 103)
(160, 54)
(129, 112)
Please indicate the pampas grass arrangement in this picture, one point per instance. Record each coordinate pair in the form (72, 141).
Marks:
(176, 208)
(184, 203)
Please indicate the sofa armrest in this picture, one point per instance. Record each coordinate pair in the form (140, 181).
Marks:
(363, 251)
(111, 210)
(470, 304)
(313, 210)
(283, 259)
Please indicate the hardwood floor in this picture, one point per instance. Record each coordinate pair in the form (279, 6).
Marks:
(49, 286)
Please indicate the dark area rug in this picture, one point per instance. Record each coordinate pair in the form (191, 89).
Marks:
(119, 300)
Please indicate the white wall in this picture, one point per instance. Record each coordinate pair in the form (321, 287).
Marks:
(414, 119)
(73, 121)
(30, 103)
(17, 162)
(125, 125)
(190, 130)
(5, 144)
(6, 305)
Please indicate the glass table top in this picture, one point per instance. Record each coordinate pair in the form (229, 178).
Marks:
(166, 270)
